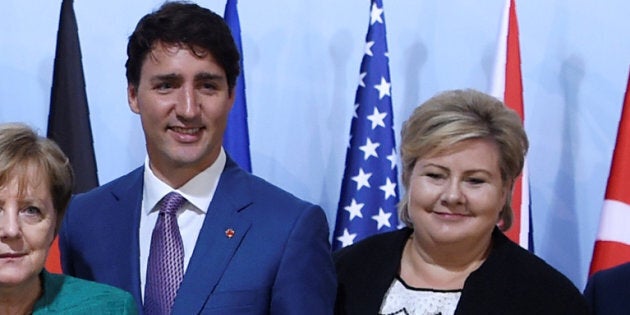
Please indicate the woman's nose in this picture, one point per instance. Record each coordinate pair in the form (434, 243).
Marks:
(9, 224)
(452, 193)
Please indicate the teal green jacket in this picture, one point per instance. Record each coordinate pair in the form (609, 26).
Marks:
(68, 295)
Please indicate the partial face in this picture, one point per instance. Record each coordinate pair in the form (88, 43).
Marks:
(27, 229)
(456, 196)
(183, 101)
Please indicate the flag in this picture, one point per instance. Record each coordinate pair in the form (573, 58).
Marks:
(236, 137)
(68, 119)
(369, 189)
(612, 244)
(508, 86)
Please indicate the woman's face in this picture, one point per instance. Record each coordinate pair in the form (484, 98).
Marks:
(457, 195)
(27, 229)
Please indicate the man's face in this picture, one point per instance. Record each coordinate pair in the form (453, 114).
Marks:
(183, 101)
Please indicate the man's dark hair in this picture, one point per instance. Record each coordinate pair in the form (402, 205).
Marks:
(186, 24)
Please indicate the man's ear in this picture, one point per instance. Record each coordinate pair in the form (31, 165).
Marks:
(132, 98)
(232, 97)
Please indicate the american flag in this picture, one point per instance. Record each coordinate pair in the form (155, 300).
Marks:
(369, 190)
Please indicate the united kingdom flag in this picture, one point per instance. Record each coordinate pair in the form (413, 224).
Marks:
(369, 190)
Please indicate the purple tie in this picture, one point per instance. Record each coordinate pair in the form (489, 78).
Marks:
(165, 269)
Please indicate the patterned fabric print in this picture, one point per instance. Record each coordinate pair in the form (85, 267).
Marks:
(401, 299)
(165, 269)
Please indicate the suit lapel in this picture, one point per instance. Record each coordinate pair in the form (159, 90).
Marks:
(127, 205)
(223, 230)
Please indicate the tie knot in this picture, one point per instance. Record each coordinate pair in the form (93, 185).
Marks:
(171, 203)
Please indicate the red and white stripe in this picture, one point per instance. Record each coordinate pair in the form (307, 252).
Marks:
(508, 86)
(612, 245)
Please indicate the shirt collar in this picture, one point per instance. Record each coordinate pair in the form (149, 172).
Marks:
(198, 191)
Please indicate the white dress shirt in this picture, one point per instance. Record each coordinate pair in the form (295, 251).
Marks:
(198, 192)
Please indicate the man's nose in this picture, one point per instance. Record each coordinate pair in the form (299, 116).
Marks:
(187, 105)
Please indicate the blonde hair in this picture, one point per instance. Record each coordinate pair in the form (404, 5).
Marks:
(21, 148)
(457, 115)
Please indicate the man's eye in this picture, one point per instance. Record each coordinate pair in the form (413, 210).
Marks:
(164, 86)
(208, 86)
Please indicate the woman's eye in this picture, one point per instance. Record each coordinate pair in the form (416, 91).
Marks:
(32, 211)
(476, 181)
(32, 214)
(434, 175)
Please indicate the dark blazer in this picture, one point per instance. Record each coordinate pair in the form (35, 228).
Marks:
(510, 281)
(277, 262)
(608, 291)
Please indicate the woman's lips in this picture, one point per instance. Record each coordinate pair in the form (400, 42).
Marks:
(11, 255)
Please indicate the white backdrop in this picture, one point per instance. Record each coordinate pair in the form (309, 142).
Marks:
(302, 61)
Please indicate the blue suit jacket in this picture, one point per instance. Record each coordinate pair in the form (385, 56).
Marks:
(607, 292)
(277, 262)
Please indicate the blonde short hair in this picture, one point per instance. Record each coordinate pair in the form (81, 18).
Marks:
(457, 115)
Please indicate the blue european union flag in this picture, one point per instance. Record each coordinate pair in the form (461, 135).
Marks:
(236, 137)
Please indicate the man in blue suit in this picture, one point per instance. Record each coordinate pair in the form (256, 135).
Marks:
(607, 291)
(248, 246)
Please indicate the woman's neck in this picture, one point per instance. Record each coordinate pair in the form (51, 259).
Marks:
(441, 266)
(20, 299)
